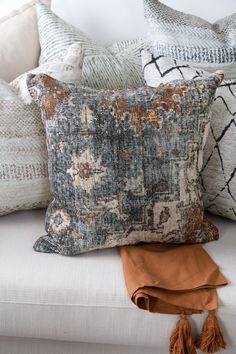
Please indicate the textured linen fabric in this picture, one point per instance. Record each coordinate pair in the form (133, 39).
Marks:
(23, 155)
(84, 299)
(118, 65)
(157, 284)
(186, 37)
(124, 164)
(219, 167)
(19, 42)
(39, 346)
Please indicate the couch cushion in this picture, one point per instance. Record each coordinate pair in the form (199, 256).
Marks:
(12, 345)
(83, 298)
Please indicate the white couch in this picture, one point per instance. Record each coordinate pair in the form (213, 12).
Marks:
(50, 304)
(54, 304)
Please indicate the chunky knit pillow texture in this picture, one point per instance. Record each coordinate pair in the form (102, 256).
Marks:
(23, 155)
(116, 66)
(189, 38)
(219, 167)
(124, 164)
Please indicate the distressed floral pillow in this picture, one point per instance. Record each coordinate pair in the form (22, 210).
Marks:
(124, 164)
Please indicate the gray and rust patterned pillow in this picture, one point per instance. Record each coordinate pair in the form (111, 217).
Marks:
(124, 164)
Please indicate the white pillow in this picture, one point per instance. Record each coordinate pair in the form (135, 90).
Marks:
(19, 42)
(219, 168)
(23, 154)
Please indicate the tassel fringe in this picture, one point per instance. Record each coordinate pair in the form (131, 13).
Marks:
(211, 339)
(181, 341)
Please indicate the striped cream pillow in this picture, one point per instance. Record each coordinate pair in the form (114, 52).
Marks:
(23, 155)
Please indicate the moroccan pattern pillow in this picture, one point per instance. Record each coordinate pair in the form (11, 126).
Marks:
(219, 167)
(124, 164)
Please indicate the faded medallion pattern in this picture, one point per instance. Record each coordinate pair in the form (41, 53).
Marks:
(124, 164)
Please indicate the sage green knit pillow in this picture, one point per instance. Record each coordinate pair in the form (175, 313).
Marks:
(116, 66)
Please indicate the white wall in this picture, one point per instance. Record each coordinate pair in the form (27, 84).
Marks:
(208, 9)
(7, 6)
(118, 19)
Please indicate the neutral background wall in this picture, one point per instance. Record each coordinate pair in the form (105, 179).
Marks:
(118, 19)
(209, 9)
(9, 5)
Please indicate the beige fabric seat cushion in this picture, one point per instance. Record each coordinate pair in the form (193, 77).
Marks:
(83, 298)
(19, 42)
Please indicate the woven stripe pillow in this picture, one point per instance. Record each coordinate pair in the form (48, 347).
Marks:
(23, 155)
(219, 167)
(116, 66)
(192, 39)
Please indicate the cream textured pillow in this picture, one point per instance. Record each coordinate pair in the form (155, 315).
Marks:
(116, 66)
(19, 42)
(219, 167)
(23, 154)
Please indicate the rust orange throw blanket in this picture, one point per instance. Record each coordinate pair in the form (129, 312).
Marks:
(176, 279)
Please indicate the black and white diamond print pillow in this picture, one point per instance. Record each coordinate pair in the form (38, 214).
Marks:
(219, 171)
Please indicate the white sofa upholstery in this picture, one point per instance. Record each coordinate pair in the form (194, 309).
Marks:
(83, 299)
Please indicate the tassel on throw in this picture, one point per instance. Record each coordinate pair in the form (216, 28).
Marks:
(211, 339)
(181, 341)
